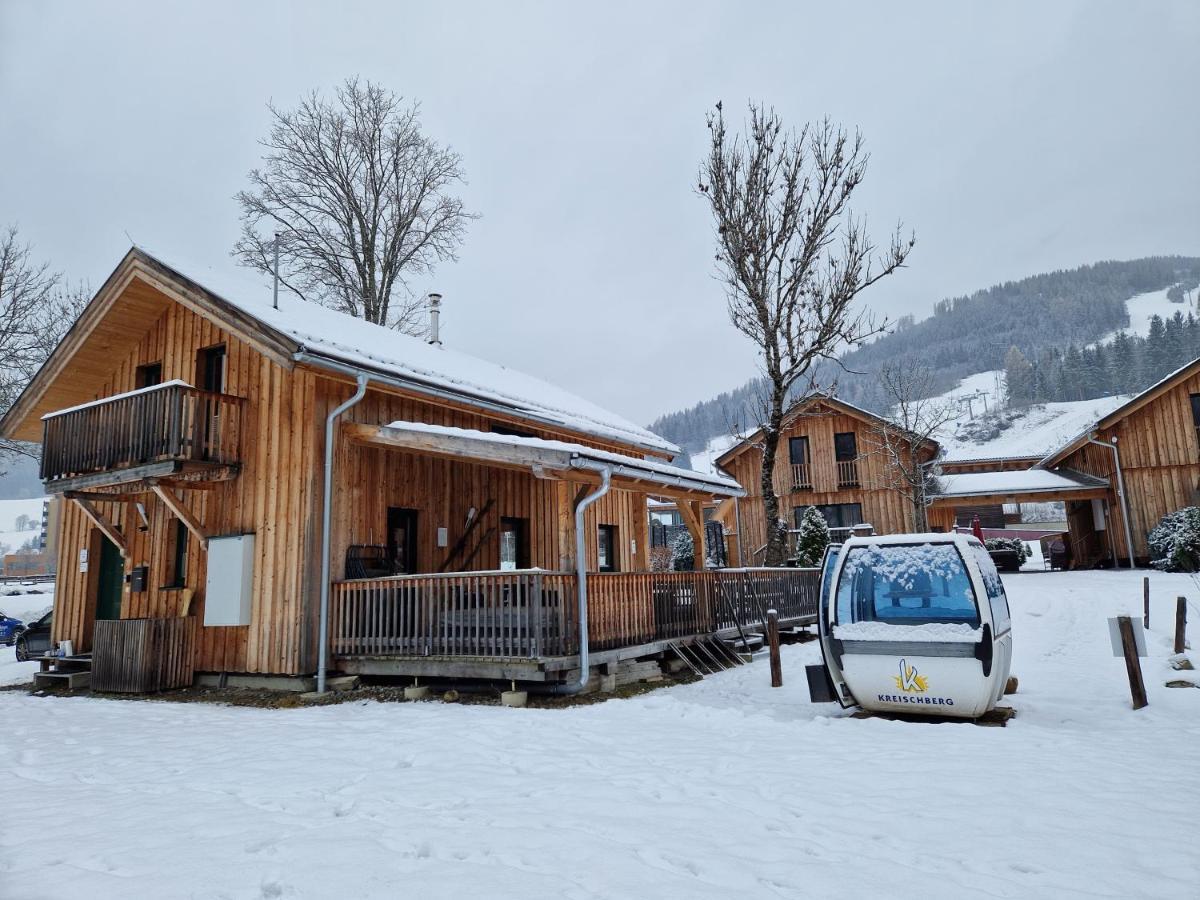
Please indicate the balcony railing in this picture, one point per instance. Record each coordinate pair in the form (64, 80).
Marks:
(169, 422)
(801, 477)
(847, 473)
(533, 614)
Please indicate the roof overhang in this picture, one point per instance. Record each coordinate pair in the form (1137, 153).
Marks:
(1031, 486)
(557, 460)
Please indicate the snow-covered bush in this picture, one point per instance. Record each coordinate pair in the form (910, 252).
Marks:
(683, 551)
(812, 539)
(1015, 544)
(1175, 541)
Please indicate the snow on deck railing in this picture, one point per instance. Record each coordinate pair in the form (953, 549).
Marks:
(100, 401)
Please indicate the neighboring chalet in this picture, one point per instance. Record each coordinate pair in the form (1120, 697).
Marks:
(830, 457)
(1152, 444)
(472, 507)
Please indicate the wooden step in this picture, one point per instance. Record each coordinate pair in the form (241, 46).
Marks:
(72, 680)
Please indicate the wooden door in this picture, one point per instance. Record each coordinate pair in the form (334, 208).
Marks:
(110, 584)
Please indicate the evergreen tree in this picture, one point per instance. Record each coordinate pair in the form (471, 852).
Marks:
(1018, 378)
(813, 537)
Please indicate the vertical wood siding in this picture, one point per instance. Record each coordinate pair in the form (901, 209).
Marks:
(882, 506)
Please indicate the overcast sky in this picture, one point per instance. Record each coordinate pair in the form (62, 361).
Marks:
(1013, 138)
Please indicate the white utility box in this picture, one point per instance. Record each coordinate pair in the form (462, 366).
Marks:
(230, 580)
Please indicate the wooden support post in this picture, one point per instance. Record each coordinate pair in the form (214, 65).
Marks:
(773, 643)
(103, 524)
(692, 513)
(1146, 602)
(1133, 665)
(179, 509)
(1180, 624)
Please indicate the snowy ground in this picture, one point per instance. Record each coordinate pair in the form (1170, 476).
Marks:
(718, 789)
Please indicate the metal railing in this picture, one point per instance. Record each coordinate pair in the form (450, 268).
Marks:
(169, 422)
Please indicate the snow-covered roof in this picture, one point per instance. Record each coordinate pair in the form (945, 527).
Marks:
(1026, 481)
(360, 344)
(541, 452)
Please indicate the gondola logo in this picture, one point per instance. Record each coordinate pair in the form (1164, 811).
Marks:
(909, 681)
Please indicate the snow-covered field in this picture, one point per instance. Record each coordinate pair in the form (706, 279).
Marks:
(10, 512)
(718, 789)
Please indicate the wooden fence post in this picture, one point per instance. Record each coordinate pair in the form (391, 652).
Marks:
(1146, 601)
(1180, 623)
(773, 643)
(1133, 665)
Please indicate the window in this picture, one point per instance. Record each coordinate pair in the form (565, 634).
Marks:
(1195, 398)
(148, 375)
(906, 584)
(514, 544)
(1001, 620)
(210, 369)
(845, 446)
(607, 556)
(837, 515)
(798, 450)
(179, 555)
(402, 540)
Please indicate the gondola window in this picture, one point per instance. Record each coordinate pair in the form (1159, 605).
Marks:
(1002, 621)
(906, 584)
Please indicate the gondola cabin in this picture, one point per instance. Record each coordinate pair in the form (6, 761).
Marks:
(914, 623)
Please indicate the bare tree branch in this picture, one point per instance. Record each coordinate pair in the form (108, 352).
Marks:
(359, 198)
(917, 418)
(792, 256)
(37, 306)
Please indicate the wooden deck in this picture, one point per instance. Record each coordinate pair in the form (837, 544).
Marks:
(524, 624)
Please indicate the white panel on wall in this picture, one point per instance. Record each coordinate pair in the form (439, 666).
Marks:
(230, 577)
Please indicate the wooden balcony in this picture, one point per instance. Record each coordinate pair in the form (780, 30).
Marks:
(847, 473)
(533, 615)
(168, 431)
(801, 477)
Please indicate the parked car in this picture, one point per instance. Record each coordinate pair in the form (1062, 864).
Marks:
(9, 629)
(35, 640)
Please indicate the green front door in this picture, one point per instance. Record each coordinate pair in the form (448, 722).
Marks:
(111, 581)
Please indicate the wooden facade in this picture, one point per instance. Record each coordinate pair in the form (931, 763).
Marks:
(865, 487)
(161, 514)
(1159, 445)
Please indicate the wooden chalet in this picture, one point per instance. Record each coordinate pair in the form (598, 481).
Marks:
(475, 513)
(1151, 444)
(830, 457)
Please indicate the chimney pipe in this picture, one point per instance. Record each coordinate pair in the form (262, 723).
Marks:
(435, 302)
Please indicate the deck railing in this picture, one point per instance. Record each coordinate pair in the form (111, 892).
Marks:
(801, 477)
(847, 472)
(531, 614)
(163, 423)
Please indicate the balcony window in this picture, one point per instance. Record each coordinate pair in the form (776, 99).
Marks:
(845, 454)
(798, 458)
(607, 555)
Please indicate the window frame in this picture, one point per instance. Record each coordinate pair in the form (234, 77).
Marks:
(853, 442)
(606, 532)
(802, 440)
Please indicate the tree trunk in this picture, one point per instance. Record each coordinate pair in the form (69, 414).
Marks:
(776, 537)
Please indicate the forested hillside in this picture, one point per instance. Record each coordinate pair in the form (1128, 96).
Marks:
(1043, 316)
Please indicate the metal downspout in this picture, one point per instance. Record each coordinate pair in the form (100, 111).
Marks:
(581, 572)
(326, 516)
(1120, 492)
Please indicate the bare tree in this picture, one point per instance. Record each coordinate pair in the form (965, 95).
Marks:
(37, 306)
(792, 256)
(917, 418)
(359, 198)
